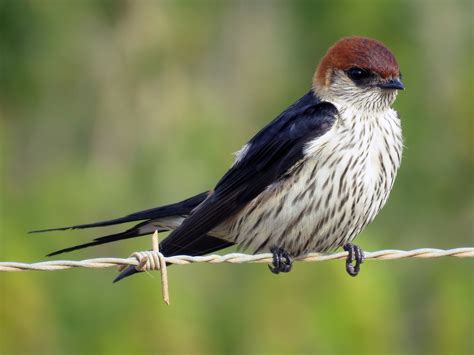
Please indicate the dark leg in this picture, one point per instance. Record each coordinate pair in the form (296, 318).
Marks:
(355, 255)
(282, 261)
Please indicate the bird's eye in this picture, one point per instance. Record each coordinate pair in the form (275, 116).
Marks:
(358, 74)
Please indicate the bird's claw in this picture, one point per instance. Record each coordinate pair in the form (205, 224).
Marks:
(282, 261)
(355, 255)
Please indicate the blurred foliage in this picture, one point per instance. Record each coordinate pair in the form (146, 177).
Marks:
(108, 107)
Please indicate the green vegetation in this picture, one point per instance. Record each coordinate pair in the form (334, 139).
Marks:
(108, 107)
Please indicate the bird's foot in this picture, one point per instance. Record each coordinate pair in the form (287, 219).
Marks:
(356, 255)
(282, 261)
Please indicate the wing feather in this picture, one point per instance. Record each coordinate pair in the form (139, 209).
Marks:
(271, 154)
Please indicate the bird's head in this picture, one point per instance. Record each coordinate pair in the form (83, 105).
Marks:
(360, 72)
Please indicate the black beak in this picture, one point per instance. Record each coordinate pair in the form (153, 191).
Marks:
(393, 84)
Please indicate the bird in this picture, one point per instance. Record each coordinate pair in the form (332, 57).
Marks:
(309, 181)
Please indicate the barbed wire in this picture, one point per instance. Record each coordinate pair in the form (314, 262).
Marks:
(154, 260)
(232, 258)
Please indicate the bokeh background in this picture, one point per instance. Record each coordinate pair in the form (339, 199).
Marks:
(108, 107)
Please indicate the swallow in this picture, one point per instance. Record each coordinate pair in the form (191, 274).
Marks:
(309, 181)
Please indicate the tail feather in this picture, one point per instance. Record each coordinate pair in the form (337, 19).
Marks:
(180, 208)
(161, 218)
(133, 232)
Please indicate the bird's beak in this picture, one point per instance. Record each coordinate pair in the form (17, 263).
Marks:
(393, 84)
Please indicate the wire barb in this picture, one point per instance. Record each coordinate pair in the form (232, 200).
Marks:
(153, 260)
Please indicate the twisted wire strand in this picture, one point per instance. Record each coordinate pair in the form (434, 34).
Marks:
(233, 258)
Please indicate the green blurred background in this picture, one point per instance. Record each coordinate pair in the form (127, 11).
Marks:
(108, 107)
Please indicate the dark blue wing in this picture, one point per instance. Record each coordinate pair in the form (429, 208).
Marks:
(271, 154)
